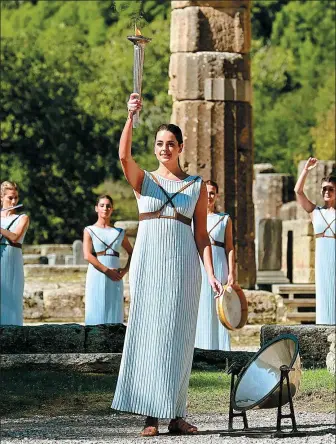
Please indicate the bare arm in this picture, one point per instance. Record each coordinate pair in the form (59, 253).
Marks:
(302, 199)
(129, 249)
(202, 239)
(230, 253)
(88, 256)
(133, 173)
(14, 236)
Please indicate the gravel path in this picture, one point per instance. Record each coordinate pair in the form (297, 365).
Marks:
(115, 428)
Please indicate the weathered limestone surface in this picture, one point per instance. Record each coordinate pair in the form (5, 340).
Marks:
(42, 339)
(45, 249)
(66, 338)
(313, 183)
(202, 28)
(265, 307)
(289, 211)
(79, 362)
(303, 250)
(313, 341)
(331, 355)
(110, 362)
(269, 244)
(188, 72)
(55, 272)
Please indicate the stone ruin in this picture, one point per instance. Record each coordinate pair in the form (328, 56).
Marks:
(210, 82)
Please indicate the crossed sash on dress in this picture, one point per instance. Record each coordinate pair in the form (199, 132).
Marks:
(212, 240)
(158, 214)
(333, 236)
(108, 247)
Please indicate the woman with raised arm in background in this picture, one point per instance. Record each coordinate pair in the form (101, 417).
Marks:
(324, 223)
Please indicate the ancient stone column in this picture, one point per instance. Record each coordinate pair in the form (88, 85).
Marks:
(211, 87)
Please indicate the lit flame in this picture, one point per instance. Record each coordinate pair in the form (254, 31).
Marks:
(137, 30)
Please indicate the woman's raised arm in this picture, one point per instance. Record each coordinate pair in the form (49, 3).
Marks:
(302, 199)
(133, 173)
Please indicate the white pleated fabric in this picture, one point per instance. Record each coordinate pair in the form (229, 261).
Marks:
(325, 266)
(210, 333)
(165, 283)
(104, 298)
(12, 277)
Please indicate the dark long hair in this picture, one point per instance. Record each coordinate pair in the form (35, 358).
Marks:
(104, 196)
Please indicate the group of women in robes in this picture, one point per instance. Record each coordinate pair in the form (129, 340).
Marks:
(182, 257)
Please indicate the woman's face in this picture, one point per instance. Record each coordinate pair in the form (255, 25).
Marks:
(212, 196)
(167, 149)
(328, 192)
(10, 198)
(104, 208)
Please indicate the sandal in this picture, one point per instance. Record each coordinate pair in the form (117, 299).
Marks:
(181, 427)
(151, 427)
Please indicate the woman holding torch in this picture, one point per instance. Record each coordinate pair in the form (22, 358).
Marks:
(165, 282)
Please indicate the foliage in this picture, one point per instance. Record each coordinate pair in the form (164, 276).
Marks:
(67, 73)
(293, 79)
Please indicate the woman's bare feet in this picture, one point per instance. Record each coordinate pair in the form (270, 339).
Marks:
(181, 427)
(151, 427)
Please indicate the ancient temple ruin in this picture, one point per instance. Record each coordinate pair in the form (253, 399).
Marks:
(210, 84)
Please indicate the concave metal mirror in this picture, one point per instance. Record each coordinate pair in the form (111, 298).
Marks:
(258, 385)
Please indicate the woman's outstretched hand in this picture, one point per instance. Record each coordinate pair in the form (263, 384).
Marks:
(134, 103)
(216, 286)
(310, 164)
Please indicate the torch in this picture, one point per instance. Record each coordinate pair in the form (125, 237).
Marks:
(139, 42)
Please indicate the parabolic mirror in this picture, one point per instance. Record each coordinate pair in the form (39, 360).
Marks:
(258, 385)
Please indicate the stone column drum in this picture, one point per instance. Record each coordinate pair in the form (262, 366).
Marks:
(211, 88)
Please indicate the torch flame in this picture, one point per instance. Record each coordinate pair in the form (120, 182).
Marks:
(137, 30)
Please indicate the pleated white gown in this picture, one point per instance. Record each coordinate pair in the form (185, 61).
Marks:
(210, 333)
(12, 277)
(104, 298)
(165, 283)
(325, 265)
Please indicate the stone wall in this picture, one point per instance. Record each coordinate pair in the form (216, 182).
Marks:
(303, 250)
(210, 84)
(313, 341)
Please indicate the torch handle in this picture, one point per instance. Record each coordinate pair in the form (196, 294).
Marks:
(139, 52)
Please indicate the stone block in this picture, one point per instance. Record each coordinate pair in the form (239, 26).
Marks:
(78, 255)
(179, 4)
(189, 73)
(195, 29)
(330, 361)
(65, 303)
(269, 244)
(227, 90)
(61, 249)
(33, 304)
(77, 362)
(220, 360)
(265, 307)
(288, 211)
(262, 168)
(56, 273)
(47, 338)
(69, 259)
(31, 259)
(313, 341)
(107, 338)
(303, 275)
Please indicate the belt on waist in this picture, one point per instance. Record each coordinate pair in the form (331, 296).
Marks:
(156, 215)
(103, 253)
(217, 243)
(332, 236)
(13, 244)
